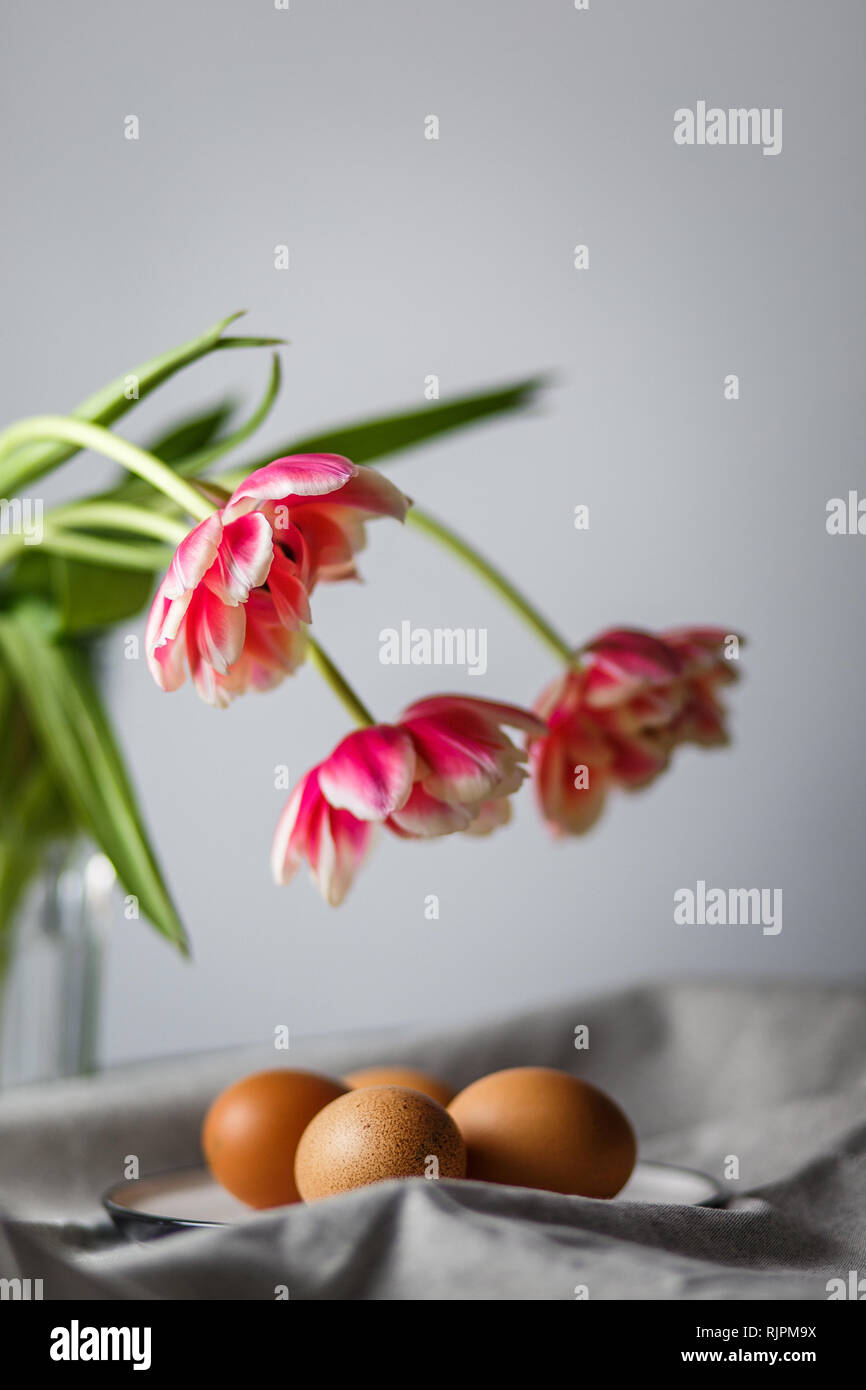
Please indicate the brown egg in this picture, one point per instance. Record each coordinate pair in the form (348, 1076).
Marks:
(401, 1076)
(535, 1127)
(373, 1134)
(251, 1132)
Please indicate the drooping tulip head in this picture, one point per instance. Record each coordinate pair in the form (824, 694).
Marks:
(445, 765)
(615, 717)
(235, 602)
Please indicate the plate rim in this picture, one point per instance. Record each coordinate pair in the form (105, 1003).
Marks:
(125, 1213)
(122, 1214)
(719, 1197)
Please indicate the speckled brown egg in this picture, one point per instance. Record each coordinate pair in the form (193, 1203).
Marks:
(251, 1132)
(373, 1134)
(401, 1076)
(535, 1127)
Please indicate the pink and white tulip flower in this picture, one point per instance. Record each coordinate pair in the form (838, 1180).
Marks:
(616, 716)
(234, 603)
(445, 765)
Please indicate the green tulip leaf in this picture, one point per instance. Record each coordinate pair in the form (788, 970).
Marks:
(77, 741)
(192, 433)
(35, 815)
(94, 597)
(366, 441)
(193, 462)
(31, 461)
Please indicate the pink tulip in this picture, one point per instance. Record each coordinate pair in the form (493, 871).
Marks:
(615, 717)
(446, 765)
(235, 601)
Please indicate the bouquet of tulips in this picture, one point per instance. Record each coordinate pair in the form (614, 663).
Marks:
(236, 556)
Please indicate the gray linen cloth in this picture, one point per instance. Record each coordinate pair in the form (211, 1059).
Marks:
(773, 1073)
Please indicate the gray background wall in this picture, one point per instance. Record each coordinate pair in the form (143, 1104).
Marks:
(411, 257)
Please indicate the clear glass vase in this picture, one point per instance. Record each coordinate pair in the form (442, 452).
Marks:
(50, 988)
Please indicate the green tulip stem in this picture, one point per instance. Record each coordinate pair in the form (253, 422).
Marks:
(83, 435)
(340, 686)
(496, 580)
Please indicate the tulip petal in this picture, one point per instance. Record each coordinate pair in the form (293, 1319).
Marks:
(569, 809)
(465, 762)
(703, 719)
(165, 653)
(624, 661)
(214, 640)
(271, 650)
(296, 475)
(288, 844)
(493, 712)
(490, 816)
(338, 845)
(329, 545)
(636, 761)
(425, 816)
(370, 492)
(244, 558)
(370, 773)
(194, 556)
(562, 697)
(713, 637)
(288, 592)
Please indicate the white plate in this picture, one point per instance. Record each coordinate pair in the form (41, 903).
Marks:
(669, 1184)
(188, 1197)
